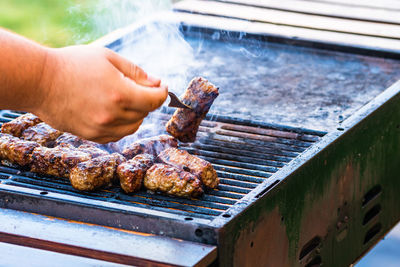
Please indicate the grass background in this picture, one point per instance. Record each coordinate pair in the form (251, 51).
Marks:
(58, 23)
(52, 22)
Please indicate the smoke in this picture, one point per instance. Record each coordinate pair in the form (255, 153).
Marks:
(157, 46)
(161, 50)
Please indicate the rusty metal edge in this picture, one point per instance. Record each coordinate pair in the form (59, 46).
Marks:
(97, 242)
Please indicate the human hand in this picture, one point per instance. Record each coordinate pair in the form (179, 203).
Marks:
(96, 94)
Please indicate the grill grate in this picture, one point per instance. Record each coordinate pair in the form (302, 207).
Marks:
(243, 153)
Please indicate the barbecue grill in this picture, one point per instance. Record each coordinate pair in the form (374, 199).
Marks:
(302, 183)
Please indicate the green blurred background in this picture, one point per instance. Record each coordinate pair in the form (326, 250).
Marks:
(52, 22)
(58, 23)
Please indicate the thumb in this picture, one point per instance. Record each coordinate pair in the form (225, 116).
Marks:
(132, 71)
(142, 98)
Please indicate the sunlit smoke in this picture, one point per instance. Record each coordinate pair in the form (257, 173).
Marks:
(156, 45)
(161, 50)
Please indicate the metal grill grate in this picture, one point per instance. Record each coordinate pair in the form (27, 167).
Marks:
(244, 154)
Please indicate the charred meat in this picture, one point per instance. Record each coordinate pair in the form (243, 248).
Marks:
(41, 133)
(95, 173)
(16, 150)
(190, 163)
(57, 161)
(67, 139)
(199, 95)
(152, 146)
(172, 181)
(132, 172)
(20, 124)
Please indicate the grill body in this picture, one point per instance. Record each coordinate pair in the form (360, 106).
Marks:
(333, 204)
(288, 197)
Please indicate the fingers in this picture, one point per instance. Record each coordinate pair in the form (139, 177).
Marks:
(132, 71)
(140, 92)
(143, 99)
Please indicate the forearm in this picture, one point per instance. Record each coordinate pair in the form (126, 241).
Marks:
(88, 91)
(21, 66)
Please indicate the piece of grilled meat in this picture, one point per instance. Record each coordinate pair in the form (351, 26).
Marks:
(68, 139)
(57, 161)
(41, 133)
(92, 150)
(95, 173)
(153, 146)
(132, 172)
(199, 95)
(190, 163)
(172, 181)
(20, 124)
(15, 150)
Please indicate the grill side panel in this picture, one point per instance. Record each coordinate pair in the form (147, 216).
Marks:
(331, 207)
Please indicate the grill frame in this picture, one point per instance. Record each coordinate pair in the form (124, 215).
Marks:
(32, 196)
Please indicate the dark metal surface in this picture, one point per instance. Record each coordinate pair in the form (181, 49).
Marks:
(273, 80)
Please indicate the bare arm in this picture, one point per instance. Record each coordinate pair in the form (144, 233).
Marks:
(85, 90)
(21, 66)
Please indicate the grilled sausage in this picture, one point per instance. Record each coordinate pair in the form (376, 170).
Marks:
(16, 150)
(199, 95)
(92, 150)
(132, 172)
(57, 161)
(190, 163)
(172, 181)
(95, 173)
(41, 133)
(152, 146)
(67, 139)
(20, 124)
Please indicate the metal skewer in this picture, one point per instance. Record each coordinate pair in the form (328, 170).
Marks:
(176, 103)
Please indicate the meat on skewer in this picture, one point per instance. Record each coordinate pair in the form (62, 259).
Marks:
(172, 181)
(132, 172)
(190, 163)
(199, 95)
(153, 146)
(57, 161)
(15, 150)
(20, 124)
(67, 139)
(93, 151)
(95, 173)
(41, 133)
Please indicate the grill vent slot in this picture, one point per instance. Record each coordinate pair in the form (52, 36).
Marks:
(372, 213)
(370, 198)
(371, 194)
(315, 262)
(372, 232)
(309, 247)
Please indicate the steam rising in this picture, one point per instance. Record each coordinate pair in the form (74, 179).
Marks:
(258, 80)
(159, 48)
